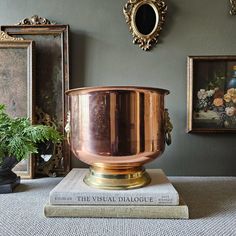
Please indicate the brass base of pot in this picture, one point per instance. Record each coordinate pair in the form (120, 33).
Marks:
(117, 179)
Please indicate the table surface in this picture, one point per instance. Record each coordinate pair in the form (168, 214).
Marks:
(211, 201)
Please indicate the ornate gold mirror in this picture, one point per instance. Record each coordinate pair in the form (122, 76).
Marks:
(145, 19)
(233, 7)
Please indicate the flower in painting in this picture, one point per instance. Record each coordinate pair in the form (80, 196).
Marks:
(226, 123)
(210, 92)
(230, 111)
(227, 97)
(230, 95)
(218, 102)
(202, 94)
(202, 104)
(234, 99)
(231, 92)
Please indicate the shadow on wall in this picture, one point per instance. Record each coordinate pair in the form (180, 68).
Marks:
(78, 49)
(172, 10)
(78, 46)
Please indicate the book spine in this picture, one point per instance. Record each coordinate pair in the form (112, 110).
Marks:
(106, 199)
(161, 212)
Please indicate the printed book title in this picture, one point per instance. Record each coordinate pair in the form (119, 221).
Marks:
(114, 199)
(105, 199)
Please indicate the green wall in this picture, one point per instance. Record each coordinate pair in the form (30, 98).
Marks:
(102, 53)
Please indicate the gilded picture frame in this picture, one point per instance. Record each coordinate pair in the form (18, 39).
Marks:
(211, 94)
(17, 86)
(145, 19)
(52, 80)
(233, 7)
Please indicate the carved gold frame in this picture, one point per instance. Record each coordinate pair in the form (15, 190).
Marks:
(44, 33)
(8, 42)
(36, 20)
(233, 7)
(192, 80)
(145, 42)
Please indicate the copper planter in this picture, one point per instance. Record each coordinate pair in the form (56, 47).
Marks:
(116, 130)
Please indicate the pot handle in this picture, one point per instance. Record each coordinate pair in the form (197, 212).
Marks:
(167, 127)
(68, 127)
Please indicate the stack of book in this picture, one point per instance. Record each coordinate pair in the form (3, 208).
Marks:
(73, 198)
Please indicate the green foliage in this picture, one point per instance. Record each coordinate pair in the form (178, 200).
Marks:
(217, 82)
(19, 138)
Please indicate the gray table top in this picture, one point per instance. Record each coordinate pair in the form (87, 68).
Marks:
(211, 201)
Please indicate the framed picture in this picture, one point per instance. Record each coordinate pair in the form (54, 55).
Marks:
(16, 86)
(52, 80)
(211, 95)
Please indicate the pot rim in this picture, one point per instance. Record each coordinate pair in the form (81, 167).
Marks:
(86, 90)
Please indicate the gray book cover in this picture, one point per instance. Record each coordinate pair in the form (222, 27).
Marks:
(72, 190)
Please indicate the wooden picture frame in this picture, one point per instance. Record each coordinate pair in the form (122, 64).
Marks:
(17, 86)
(211, 94)
(52, 80)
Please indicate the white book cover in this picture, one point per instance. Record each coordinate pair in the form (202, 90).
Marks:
(73, 191)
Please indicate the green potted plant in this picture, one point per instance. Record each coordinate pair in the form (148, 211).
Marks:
(19, 139)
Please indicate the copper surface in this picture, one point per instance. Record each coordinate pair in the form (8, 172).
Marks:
(117, 128)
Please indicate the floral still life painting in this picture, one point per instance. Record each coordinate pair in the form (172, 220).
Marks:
(211, 94)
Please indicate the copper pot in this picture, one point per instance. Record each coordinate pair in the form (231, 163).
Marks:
(116, 130)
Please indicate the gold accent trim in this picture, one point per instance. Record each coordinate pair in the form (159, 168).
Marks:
(233, 7)
(36, 20)
(146, 42)
(68, 127)
(50, 167)
(168, 127)
(5, 37)
(191, 60)
(189, 94)
(117, 179)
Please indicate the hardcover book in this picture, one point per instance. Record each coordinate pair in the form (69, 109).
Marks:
(101, 211)
(73, 191)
